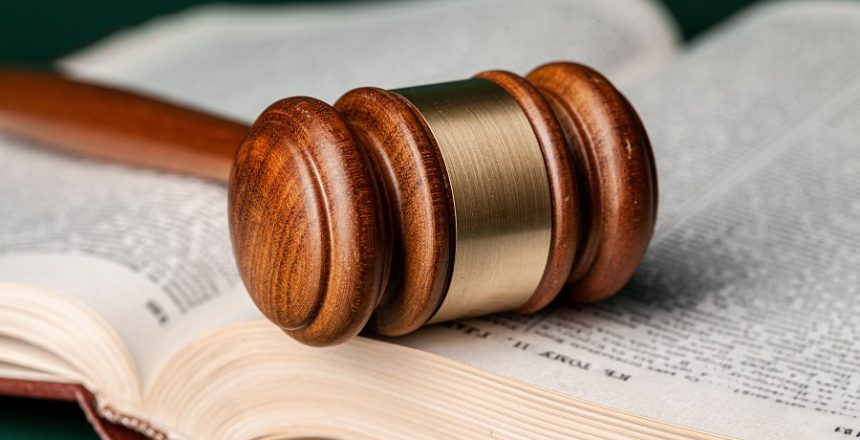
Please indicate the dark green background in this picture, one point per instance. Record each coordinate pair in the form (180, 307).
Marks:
(36, 32)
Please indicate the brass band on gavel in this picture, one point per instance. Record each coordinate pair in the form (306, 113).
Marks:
(500, 192)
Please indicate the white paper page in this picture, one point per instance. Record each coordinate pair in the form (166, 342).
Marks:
(238, 60)
(742, 318)
(149, 251)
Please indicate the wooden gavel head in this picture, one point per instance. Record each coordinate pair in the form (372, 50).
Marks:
(394, 208)
(407, 207)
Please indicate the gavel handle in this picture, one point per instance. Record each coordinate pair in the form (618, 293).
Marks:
(112, 124)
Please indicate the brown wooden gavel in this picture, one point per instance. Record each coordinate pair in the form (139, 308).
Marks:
(394, 208)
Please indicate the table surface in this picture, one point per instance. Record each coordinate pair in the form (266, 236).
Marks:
(36, 33)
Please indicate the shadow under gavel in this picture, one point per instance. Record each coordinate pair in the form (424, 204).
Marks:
(394, 208)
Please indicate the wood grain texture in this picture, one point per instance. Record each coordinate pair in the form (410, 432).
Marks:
(307, 224)
(112, 124)
(615, 171)
(413, 178)
(563, 191)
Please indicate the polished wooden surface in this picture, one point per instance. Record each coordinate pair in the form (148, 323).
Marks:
(308, 229)
(343, 216)
(415, 186)
(616, 176)
(113, 124)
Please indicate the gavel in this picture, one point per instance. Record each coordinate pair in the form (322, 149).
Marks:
(393, 209)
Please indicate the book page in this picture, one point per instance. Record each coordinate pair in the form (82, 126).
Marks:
(742, 318)
(239, 59)
(148, 251)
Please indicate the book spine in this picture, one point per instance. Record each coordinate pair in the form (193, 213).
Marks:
(107, 428)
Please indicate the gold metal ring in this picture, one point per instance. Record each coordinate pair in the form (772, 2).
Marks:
(500, 192)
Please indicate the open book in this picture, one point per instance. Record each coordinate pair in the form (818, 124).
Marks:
(740, 322)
